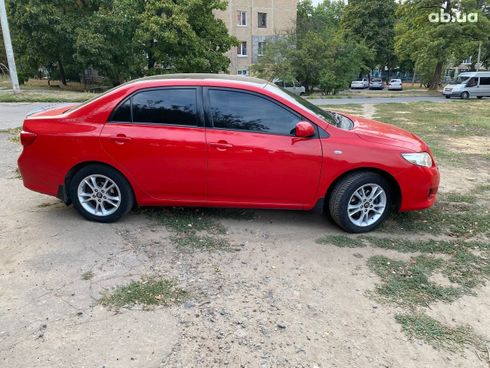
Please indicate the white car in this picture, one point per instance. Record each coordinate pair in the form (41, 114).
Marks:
(292, 86)
(359, 83)
(395, 85)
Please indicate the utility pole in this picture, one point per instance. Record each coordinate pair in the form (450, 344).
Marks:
(479, 55)
(8, 47)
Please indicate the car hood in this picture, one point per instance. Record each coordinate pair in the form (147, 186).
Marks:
(377, 132)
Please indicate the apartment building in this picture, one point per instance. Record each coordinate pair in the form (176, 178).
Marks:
(254, 23)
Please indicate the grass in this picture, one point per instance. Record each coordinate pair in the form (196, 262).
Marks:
(342, 241)
(39, 91)
(436, 334)
(436, 123)
(41, 97)
(14, 134)
(407, 283)
(197, 228)
(354, 109)
(405, 245)
(89, 275)
(146, 292)
(453, 219)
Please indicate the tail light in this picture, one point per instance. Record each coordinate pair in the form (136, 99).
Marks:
(27, 138)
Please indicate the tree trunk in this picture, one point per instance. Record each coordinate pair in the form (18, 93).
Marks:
(62, 72)
(436, 77)
(151, 58)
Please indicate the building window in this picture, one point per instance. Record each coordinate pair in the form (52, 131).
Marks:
(242, 72)
(242, 18)
(262, 23)
(242, 49)
(261, 48)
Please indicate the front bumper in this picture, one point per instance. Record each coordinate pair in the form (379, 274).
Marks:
(419, 186)
(452, 93)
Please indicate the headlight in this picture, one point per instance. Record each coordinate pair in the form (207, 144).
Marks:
(419, 159)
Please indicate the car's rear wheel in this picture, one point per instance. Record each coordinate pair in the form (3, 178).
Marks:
(360, 202)
(465, 95)
(100, 193)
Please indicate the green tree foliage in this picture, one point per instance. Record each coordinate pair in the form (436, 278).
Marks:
(432, 44)
(318, 55)
(119, 38)
(372, 22)
(184, 36)
(277, 61)
(107, 41)
(44, 33)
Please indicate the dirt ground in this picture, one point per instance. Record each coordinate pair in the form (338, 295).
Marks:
(276, 299)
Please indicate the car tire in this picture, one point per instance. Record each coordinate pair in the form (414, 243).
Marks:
(100, 193)
(448, 97)
(351, 206)
(479, 97)
(465, 95)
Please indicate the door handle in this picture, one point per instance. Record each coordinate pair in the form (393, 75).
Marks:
(120, 139)
(221, 145)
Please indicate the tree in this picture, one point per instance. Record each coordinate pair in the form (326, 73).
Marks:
(184, 36)
(373, 23)
(432, 44)
(44, 31)
(108, 44)
(317, 54)
(121, 39)
(277, 61)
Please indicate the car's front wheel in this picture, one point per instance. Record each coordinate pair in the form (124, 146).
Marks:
(360, 202)
(100, 193)
(465, 95)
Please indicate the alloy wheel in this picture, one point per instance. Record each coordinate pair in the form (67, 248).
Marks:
(99, 195)
(366, 205)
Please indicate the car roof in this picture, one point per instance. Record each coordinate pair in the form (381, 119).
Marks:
(204, 76)
(468, 74)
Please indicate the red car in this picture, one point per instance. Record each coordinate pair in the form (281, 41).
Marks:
(223, 141)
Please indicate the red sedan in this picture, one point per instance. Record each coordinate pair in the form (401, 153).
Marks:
(223, 141)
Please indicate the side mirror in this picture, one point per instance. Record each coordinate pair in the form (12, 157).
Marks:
(304, 129)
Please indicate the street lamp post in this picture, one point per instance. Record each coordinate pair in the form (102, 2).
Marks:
(8, 47)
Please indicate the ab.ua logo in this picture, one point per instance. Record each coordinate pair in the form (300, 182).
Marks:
(443, 17)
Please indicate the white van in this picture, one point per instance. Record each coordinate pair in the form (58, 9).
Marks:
(469, 84)
(292, 86)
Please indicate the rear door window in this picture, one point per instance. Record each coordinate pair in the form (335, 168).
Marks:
(169, 106)
(166, 106)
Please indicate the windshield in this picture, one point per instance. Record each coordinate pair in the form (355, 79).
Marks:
(460, 80)
(324, 115)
